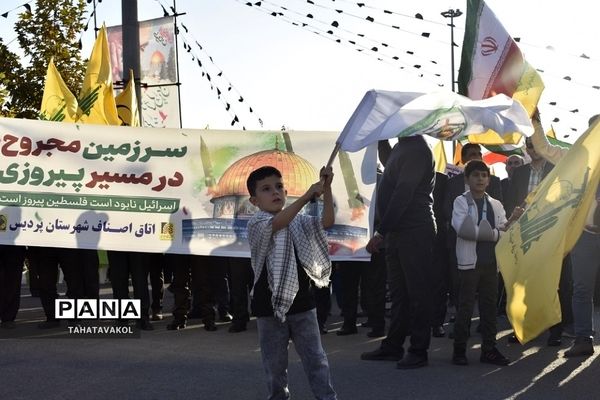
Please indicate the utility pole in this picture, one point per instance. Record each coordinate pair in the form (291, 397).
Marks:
(131, 46)
(175, 15)
(452, 14)
(96, 29)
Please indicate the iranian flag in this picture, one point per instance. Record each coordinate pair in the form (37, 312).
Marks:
(491, 64)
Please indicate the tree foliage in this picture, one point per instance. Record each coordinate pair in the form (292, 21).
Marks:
(11, 73)
(51, 29)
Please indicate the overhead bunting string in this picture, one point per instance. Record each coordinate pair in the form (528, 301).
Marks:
(205, 74)
(336, 25)
(227, 103)
(329, 35)
(26, 5)
(374, 50)
(187, 38)
(230, 86)
(372, 20)
(87, 23)
(417, 16)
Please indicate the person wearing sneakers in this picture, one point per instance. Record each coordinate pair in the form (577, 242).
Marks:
(477, 219)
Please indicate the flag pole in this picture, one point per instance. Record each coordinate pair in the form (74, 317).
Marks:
(334, 153)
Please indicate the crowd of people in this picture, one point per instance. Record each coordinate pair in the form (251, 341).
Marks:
(433, 251)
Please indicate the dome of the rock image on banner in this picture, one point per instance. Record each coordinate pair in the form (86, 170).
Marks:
(230, 195)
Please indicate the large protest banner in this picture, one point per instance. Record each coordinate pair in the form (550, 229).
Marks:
(169, 190)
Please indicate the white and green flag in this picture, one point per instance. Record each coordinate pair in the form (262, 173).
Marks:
(443, 115)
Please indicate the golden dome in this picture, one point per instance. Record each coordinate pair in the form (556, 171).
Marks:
(298, 174)
(157, 58)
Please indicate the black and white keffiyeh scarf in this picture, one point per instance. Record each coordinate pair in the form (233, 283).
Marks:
(306, 235)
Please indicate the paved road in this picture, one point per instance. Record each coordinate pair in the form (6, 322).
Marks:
(196, 364)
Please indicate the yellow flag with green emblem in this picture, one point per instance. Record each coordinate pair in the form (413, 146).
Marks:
(58, 103)
(531, 252)
(96, 99)
(127, 106)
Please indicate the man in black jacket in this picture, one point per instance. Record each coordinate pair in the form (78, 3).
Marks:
(526, 178)
(512, 163)
(407, 224)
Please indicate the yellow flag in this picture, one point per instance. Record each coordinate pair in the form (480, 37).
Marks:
(127, 105)
(58, 103)
(531, 252)
(439, 155)
(96, 99)
(457, 156)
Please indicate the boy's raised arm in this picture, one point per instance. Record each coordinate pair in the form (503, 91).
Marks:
(285, 216)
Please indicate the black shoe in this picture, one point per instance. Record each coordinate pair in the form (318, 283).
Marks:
(345, 331)
(411, 361)
(582, 347)
(176, 325)
(323, 329)
(210, 326)
(235, 328)
(156, 316)
(145, 325)
(365, 324)
(494, 357)
(375, 333)
(459, 358)
(50, 324)
(438, 331)
(512, 338)
(381, 355)
(225, 317)
(554, 340)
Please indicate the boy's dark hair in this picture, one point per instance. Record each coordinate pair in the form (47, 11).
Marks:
(259, 174)
(466, 147)
(476, 165)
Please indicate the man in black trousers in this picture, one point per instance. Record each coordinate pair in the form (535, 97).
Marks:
(11, 270)
(407, 225)
(80, 271)
(135, 264)
(192, 273)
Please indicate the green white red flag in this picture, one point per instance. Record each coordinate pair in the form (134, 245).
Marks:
(491, 64)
